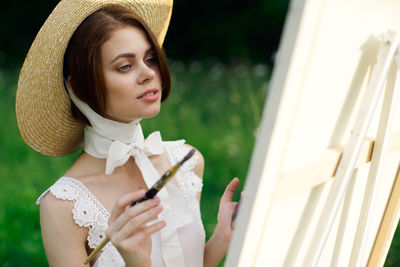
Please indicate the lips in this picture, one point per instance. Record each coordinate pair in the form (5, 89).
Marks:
(149, 95)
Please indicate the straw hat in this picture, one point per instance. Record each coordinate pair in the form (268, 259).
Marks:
(42, 104)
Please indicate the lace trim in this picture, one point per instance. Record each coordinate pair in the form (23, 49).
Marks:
(87, 212)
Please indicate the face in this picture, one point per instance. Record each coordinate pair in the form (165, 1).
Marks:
(131, 75)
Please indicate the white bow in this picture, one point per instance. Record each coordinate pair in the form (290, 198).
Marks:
(119, 153)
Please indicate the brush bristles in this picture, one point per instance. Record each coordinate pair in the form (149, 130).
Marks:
(188, 156)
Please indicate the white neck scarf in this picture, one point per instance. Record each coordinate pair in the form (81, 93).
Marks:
(116, 142)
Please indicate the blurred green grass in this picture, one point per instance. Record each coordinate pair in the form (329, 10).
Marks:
(214, 106)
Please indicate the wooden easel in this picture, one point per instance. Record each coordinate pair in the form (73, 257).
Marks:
(387, 55)
(323, 66)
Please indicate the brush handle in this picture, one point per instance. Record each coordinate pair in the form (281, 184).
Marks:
(235, 212)
(98, 248)
(149, 194)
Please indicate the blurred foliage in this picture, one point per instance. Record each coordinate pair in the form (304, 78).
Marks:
(222, 30)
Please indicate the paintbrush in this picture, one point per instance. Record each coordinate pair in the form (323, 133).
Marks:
(149, 194)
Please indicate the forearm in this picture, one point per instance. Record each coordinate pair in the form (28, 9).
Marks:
(216, 247)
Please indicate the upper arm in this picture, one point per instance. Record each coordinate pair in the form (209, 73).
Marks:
(63, 240)
(199, 167)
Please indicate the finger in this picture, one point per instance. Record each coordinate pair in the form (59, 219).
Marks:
(230, 190)
(145, 232)
(131, 212)
(139, 222)
(121, 204)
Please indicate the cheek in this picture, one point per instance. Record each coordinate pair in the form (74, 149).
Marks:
(119, 86)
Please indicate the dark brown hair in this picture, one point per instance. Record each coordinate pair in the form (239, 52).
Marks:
(82, 59)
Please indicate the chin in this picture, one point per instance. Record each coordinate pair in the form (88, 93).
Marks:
(129, 118)
(150, 113)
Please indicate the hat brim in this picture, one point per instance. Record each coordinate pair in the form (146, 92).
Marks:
(43, 106)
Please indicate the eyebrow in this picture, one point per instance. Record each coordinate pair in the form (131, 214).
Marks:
(123, 55)
(130, 55)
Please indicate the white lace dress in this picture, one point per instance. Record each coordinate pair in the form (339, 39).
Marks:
(180, 243)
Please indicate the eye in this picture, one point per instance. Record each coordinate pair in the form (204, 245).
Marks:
(151, 60)
(125, 68)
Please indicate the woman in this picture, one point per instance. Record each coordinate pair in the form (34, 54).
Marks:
(115, 72)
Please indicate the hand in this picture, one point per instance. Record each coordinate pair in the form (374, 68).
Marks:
(218, 244)
(225, 212)
(128, 229)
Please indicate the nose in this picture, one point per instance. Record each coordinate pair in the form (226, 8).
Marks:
(147, 73)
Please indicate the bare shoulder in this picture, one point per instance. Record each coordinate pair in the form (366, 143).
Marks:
(199, 168)
(62, 238)
(57, 213)
(52, 208)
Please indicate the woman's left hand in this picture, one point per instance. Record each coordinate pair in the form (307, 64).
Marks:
(226, 209)
(218, 244)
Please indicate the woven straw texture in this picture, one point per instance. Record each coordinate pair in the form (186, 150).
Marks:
(42, 104)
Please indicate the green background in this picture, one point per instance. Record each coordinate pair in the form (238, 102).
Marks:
(221, 54)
